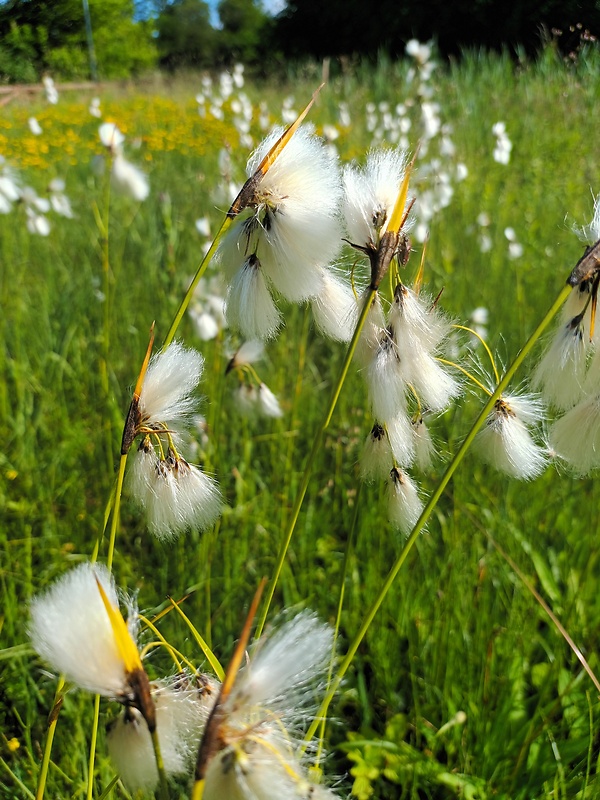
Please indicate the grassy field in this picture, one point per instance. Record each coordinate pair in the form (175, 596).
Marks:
(463, 685)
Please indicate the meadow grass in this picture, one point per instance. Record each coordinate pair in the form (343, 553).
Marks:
(459, 633)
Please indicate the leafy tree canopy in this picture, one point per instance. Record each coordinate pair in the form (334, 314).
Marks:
(44, 35)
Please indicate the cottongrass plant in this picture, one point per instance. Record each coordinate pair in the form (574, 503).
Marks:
(252, 748)
(175, 495)
(255, 728)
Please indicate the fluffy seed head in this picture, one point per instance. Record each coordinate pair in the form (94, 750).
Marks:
(404, 503)
(166, 395)
(175, 496)
(505, 441)
(370, 194)
(181, 713)
(334, 309)
(575, 437)
(71, 630)
(250, 306)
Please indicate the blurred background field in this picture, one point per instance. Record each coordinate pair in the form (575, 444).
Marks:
(463, 686)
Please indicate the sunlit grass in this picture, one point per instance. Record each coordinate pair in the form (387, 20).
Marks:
(459, 632)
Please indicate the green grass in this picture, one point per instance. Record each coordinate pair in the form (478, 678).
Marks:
(459, 631)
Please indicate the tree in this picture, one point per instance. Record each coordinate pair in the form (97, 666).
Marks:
(336, 27)
(185, 35)
(51, 37)
(245, 30)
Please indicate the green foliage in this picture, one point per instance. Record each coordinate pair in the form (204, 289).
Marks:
(185, 35)
(462, 687)
(40, 36)
(244, 30)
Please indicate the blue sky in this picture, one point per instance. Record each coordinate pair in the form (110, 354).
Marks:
(271, 6)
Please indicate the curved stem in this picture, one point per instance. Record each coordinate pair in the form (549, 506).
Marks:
(311, 458)
(116, 511)
(433, 501)
(192, 287)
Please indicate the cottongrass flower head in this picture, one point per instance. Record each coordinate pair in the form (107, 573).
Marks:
(370, 194)
(166, 397)
(77, 628)
(575, 437)
(182, 708)
(291, 234)
(503, 146)
(376, 455)
(334, 309)
(126, 176)
(404, 504)
(506, 442)
(175, 495)
(561, 372)
(251, 744)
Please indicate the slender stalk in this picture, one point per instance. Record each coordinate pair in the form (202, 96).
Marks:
(92, 757)
(116, 511)
(311, 458)
(192, 287)
(19, 783)
(163, 787)
(433, 501)
(338, 618)
(43, 776)
(104, 225)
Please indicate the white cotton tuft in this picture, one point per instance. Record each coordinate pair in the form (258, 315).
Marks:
(424, 447)
(371, 193)
(402, 438)
(181, 715)
(205, 324)
(262, 720)
(334, 308)
(376, 456)
(249, 352)
(575, 437)
(590, 233)
(175, 496)
(505, 441)
(110, 136)
(129, 178)
(268, 404)
(561, 373)
(404, 503)
(416, 322)
(434, 386)
(296, 206)
(249, 305)
(387, 379)
(282, 666)
(70, 629)
(247, 400)
(172, 376)
(373, 330)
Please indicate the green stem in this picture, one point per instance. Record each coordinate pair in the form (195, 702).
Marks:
(338, 618)
(192, 287)
(104, 225)
(433, 501)
(311, 458)
(116, 511)
(43, 776)
(163, 787)
(94, 739)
